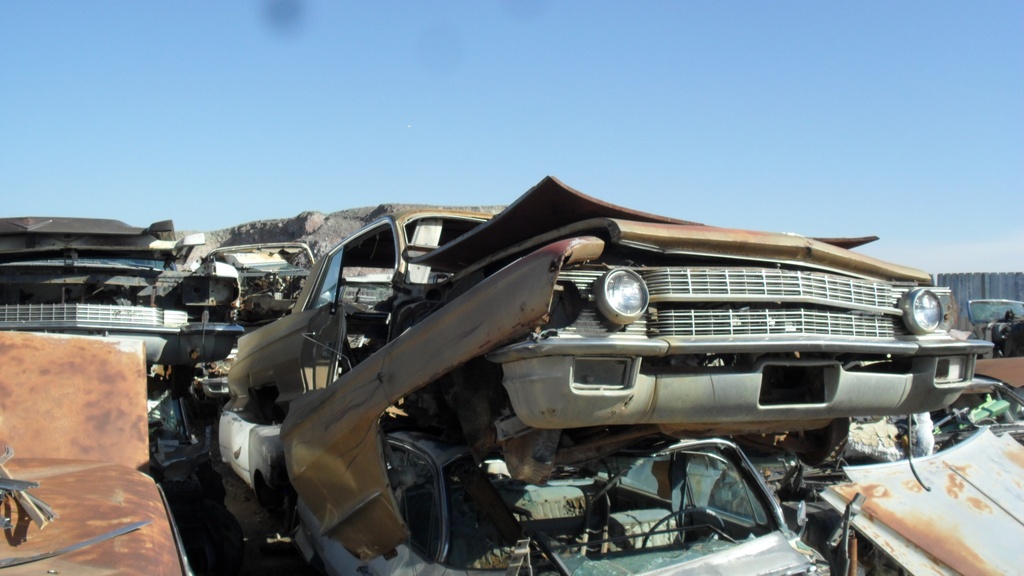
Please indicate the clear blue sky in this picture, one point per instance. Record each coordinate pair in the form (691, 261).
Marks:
(899, 119)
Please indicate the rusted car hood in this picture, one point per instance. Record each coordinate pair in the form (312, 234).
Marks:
(101, 386)
(970, 522)
(552, 210)
(73, 409)
(93, 500)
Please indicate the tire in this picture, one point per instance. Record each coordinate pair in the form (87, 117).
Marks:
(226, 539)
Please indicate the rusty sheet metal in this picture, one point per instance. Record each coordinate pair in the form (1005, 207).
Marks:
(331, 436)
(91, 499)
(713, 241)
(553, 210)
(848, 243)
(972, 520)
(1009, 370)
(75, 397)
(547, 206)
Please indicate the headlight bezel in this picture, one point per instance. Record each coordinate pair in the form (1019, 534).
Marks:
(608, 296)
(917, 305)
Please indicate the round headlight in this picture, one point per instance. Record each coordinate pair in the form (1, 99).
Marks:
(621, 296)
(922, 311)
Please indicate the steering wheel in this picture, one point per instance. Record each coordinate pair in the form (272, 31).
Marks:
(709, 519)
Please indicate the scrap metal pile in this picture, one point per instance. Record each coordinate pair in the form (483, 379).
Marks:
(546, 390)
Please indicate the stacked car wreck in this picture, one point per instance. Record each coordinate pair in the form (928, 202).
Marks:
(96, 279)
(567, 331)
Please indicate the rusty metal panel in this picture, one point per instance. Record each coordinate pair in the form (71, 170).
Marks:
(1009, 370)
(981, 286)
(91, 499)
(553, 210)
(75, 397)
(547, 206)
(712, 241)
(970, 522)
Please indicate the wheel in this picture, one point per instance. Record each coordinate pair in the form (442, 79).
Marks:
(225, 538)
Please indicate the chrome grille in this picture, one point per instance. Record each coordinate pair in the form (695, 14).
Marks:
(44, 315)
(768, 323)
(757, 284)
(583, 279)
(722, 302)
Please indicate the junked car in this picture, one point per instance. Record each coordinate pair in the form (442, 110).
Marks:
(566, 328)
(1000, 322)
(106, 280)
(692, 507)
(270, 277)
(73, 495)
(309, 346)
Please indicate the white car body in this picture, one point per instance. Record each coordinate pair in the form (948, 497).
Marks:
(253, 451)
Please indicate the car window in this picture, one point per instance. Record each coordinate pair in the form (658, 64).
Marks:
(994, 310)
(372, 257)
(475, 541)
(329, 281)
(713, 482)
(430, 232)
(414, 482)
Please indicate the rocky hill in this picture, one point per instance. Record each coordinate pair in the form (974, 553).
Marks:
(319, 231)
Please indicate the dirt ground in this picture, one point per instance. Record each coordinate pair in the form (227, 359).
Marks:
(268, 548)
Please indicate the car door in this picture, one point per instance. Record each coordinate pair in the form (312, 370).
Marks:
(370, 254)
(320, 348)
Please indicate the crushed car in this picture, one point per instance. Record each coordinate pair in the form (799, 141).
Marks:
(270, 277)
(692, 507)
(565, 329)
(104, 278)
(1000, 322)
(107, 280)
(957, 512)
(303, 350)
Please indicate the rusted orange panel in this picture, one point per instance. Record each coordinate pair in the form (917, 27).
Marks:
(971, 521)
(91, 499)
(1009, 370)
(547, 206)
(763, 246)
(74, 397)
(553, 209)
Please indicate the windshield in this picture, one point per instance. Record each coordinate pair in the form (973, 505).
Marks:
(642, 512)
(985, 311)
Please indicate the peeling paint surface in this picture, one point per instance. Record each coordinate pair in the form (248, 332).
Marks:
(92, 499)
(971, 521)
(74, 397)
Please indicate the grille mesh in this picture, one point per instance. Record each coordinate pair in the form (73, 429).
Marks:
(768, 323)
(704, 284)
(723, 302)
(89, 314)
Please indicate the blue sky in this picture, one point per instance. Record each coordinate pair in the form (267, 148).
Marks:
(899, 119)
